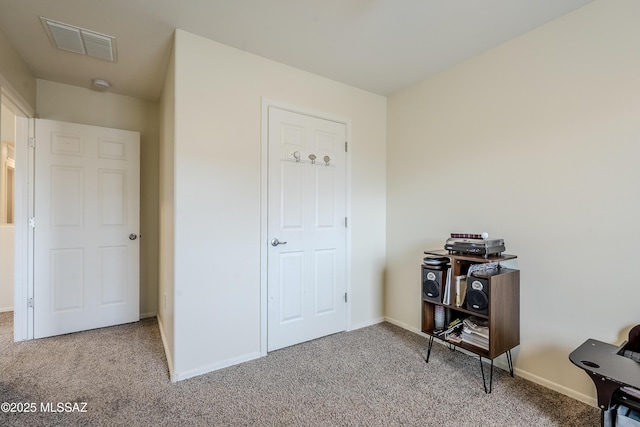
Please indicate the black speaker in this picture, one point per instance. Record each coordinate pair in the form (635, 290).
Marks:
(433, 281)
(478, 294)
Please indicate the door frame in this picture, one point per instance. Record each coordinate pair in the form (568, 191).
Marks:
(264, 199)
(23, 209)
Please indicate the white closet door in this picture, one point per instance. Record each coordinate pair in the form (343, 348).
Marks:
(306, 209)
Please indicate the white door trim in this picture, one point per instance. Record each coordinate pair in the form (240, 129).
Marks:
(23, 193)
(264, 169)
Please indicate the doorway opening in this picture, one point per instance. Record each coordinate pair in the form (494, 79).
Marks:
(7, 200)
(16, 161)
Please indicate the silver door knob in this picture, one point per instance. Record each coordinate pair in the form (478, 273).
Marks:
(276, 242)
(132, 236)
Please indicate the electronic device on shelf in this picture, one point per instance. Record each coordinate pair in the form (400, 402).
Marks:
(436, 262)
(475, 246)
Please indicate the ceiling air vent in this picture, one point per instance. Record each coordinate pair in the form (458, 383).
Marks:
(78, 40)
(98, 46)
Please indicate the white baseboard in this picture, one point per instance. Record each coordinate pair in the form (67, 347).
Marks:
(502, 364)
(5, 309)
(404, 326)
(147, 315)
(366, 323)
(179, 376)
(167, 351)
(591, 401)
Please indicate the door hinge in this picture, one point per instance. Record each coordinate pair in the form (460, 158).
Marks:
(346, 224)
(30, 303)
(32, 142)
(345, 297)
(32, 222)
(345, 147)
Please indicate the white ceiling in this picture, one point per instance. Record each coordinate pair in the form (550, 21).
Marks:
(377, 45)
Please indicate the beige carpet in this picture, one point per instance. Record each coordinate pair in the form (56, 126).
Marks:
(374, 376)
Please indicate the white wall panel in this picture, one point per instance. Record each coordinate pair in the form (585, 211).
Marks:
(217, 196)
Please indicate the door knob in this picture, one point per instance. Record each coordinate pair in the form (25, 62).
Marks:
(276, 242)
(132, 236)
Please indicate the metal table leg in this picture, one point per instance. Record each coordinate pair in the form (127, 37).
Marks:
(484, 382)
(429, 348)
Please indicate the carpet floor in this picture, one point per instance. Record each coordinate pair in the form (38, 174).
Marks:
(375, 376)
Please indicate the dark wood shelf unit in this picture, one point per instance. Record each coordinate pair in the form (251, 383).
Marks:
(503, 313)
(474, 259)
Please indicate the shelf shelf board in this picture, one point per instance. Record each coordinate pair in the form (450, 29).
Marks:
(460, 309)
(471, 257)
(465, 345)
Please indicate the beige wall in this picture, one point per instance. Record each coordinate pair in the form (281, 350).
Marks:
(66, 103)
(536, 142)
(15, 75)
(8, 125)
(7, 235)
(166, 294)
(218, 93)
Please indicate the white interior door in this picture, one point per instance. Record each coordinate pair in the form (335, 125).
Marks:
(86, 246)
(306, 213)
